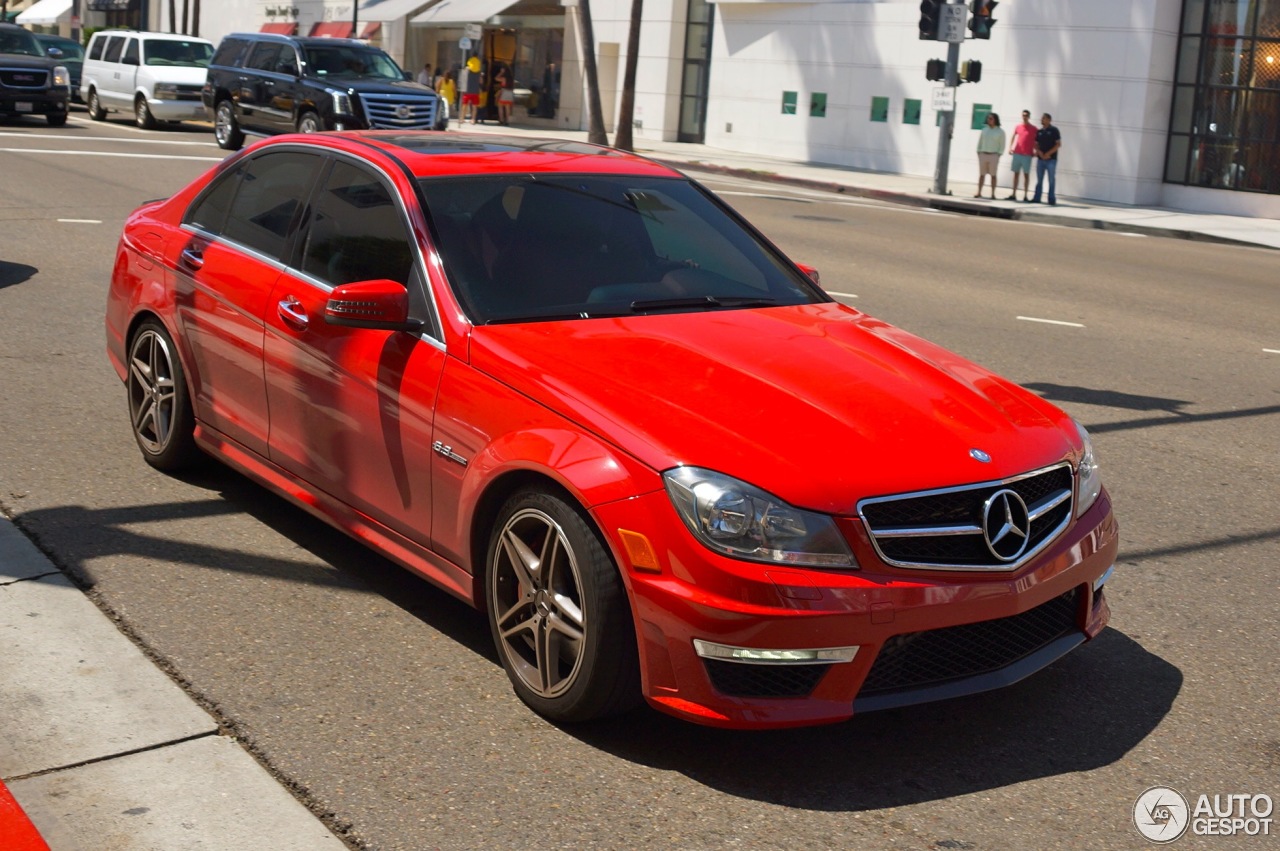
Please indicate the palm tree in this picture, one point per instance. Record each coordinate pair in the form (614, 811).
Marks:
(595, 117)
(627, 105)
(195, 17)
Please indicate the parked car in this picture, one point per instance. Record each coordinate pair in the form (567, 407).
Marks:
(573, 388)
(66, 52)
(266, 84)
(153, 76)
(31, 83)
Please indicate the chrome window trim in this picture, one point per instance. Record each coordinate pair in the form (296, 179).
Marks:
(1035, 511)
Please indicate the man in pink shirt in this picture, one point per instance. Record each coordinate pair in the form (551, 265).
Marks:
(1022, 149)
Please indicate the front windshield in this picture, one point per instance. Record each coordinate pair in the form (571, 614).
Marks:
(19, 42)
(340, 61)
(526, 247)
(185, 54)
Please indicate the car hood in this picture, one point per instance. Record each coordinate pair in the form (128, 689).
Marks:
(22, 60)
(819, 404)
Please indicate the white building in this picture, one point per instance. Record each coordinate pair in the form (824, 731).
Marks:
(1160, 102)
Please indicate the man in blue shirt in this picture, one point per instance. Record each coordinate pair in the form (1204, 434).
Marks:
(1048, 141)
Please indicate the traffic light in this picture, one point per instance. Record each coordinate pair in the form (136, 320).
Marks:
(982, 22)
(935, 69)
(971, 71)
(930, 13)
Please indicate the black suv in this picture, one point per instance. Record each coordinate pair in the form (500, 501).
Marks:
(266, 84)
(30, 82)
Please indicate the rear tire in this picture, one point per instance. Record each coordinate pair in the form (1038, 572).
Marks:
(96, 112)
(160, 411)
(142, 114)
(558, 611)
(225, 129)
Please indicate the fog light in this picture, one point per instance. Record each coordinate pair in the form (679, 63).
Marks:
(768, 656)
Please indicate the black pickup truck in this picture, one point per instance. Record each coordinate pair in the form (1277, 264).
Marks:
(265, 84)
(30, 82)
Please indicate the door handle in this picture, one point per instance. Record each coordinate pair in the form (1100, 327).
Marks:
(192, 257)
(292, 313)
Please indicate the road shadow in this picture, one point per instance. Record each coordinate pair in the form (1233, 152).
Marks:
(1087, 710)
(1165, 411)
(15, 273)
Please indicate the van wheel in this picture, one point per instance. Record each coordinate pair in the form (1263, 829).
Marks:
(142, 114)
(309, 123)
(56, 120)
(96, 112)
(225, 129)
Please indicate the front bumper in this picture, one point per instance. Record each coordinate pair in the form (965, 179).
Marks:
(22, 103)
(177, 110)
(920, 635)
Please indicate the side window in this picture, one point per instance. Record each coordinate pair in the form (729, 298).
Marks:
(209, 212)
(230, 51)
(288, 62)
(131, 53)
(357, 233)
(264, 57)
(113, 50)
(95, 49)
(271, 191)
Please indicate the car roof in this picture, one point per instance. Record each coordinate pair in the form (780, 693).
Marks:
(303, 40)
(435, 154)
(152, 35)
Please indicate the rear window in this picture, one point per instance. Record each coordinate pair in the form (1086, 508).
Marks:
(95, 47)
(184, 54)
(230, 52)
(115, 46)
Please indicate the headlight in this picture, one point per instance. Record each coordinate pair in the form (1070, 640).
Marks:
(165, 91)
(1088, 479)
(742, 521)
(61, 76)
(341, 102)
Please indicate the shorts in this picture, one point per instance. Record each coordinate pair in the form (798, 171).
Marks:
(507, 97)
(470, 100)
(1022, 163)
(987, 164)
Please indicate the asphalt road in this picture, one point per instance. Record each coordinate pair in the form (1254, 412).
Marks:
(380, 702)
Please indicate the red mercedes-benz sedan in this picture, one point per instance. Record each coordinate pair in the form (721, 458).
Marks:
(576, 390)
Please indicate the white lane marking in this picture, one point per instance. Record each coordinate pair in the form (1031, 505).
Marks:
(81, 221)
(66, 138)
(841, 295)
(1051, 321)
(111, 154)
(1272, 351)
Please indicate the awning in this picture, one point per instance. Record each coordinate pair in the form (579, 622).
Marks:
(290, 28)
(44, 13)
(370, 30)
(458, 12)
(391, 10)
(332, 29)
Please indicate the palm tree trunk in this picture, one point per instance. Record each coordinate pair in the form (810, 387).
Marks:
(595, 116)
(173, 16)
(195, 17)
(627, 104)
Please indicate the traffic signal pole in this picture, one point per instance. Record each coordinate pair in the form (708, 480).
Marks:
(947, 127)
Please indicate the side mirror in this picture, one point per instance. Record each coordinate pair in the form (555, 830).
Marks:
(54, 52)
(811, 272)
(380, 305)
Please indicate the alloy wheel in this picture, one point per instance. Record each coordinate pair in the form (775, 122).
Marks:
(153, 391)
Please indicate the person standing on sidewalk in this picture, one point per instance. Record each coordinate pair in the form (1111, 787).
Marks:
(1022, 149)
(469, 91)
(1048, 141)
(990, 146)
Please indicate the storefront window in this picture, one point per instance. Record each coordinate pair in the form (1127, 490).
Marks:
(1224, 129)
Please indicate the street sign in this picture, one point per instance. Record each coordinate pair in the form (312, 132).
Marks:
(944, 99)
(951, 25)
(464, 43)
(475, 31)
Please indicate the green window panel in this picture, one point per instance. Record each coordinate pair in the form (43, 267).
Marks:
(911, 111)
(788, 103)
(879, 109)
(818, 105)
(980, 111)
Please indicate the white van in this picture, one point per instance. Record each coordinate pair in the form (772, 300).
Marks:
(156, 76)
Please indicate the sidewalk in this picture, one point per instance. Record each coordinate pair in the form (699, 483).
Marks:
(914, 190)
(106, 753)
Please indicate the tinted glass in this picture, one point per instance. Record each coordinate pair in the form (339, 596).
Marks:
(131, 52)
(185, 54)
(270, 195)
(357, 233)
(114, 48)
(351, 61)
(95, 49)
(265, 55)
(209, 212)
(20, 42)
(522, 248)
(230, 51)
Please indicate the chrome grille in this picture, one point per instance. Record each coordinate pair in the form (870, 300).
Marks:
(400, 112)
(943, 529)
(24, 78)
(189, 92)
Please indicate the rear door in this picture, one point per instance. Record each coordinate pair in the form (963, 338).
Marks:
(266, 88)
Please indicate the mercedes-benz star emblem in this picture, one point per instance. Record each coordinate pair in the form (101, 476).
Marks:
(1006, 525)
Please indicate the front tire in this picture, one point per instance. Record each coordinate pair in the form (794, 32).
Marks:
(142, 114)
(225, 129)
(558, 611)
(96, 112)
(56, 120)
(159, 407)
